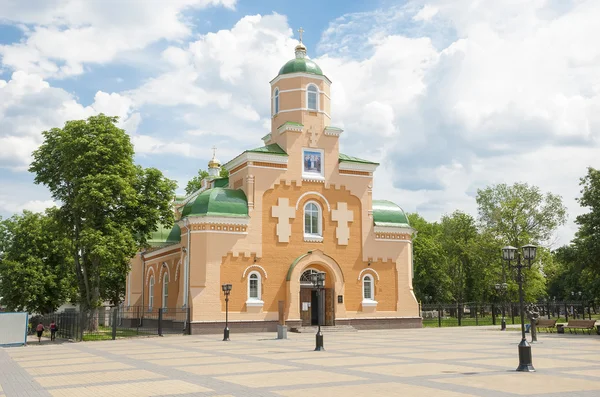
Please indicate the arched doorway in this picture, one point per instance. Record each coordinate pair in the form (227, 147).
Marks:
(316, 306)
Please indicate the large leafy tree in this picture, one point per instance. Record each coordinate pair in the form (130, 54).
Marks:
(196, 182)
(587, 239)
(109, 205)
(36, 266)
(520, 214)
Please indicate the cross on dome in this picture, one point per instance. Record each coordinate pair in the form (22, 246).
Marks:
(300, 31)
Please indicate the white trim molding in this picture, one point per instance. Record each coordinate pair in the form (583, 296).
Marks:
(299, 74)
(332, 131)
(255, 303)
(163, 265)
(177, 270)
(395, 230)
(364, 270)
(252, 156)
(289, 127)
(351, 166)
(150, 267)
(217, 220)
(257, 266)
(309, 238)
(316, 194)
(369, 303)
(306, 110)
(302, 89)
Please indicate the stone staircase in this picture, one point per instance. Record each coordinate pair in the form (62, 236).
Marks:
(324, 329)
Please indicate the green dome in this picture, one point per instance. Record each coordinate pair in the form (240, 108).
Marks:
(165, 236)
(386, 213)
(218, 202)
(301, 65)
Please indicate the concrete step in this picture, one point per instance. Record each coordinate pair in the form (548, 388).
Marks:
(324, 329)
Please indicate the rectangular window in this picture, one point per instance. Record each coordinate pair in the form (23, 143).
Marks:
(368, 290)
(312, 101)
(254, 288)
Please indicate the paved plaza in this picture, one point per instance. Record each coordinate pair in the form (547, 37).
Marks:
(447, 362)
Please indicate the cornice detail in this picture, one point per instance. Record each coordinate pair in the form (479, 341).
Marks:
(350, 166)
(251, 156)
(332, 131)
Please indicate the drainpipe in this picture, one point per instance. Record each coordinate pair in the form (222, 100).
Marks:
(143, 283)
(187, 266)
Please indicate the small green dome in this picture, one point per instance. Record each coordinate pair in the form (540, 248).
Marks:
(165, 236)
(301, 65)
(386, 213)
(218, 202)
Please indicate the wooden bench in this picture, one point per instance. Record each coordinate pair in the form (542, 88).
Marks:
(584, 325)
(547, 324)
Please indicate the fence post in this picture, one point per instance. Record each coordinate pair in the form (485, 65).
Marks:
(440, 316)
(493, 314)
(114, 322)
(512, 312)
(160, 315)
(459, 313)
(566, 312)
(476, 313)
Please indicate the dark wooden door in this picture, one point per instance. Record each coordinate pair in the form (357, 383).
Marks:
(329, 306)
(305, 310)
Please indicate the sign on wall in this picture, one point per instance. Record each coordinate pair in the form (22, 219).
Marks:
(13, 328)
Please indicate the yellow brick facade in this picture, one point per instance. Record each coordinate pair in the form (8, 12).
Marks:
(271, 240)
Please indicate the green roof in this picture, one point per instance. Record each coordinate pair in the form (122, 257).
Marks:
(386, 213)
(165, 236)
(218, 202)
(350, 159)
(270, 149)
(221, 182)
(301, 65)
(291, 123)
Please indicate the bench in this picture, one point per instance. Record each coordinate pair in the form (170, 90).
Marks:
(547, 324)
(584, 325)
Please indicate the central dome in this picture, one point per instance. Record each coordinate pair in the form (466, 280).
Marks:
(301, 64)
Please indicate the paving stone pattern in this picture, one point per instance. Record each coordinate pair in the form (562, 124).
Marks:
(446, 362)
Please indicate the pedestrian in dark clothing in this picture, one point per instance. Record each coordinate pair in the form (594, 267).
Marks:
(40, 331)
(53, 329)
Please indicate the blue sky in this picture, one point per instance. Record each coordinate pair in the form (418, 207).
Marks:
(449, 95)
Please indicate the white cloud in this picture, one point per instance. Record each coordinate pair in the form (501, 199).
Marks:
(68, 34)
(426, 13)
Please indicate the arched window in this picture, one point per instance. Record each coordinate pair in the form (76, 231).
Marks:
(165, 294)
(368, 290)
(312, 219)
(306, 277)
(254, 287)
(151, 293)
(276, 101)
(312, 97)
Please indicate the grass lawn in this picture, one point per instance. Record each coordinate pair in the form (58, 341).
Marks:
(105, 333)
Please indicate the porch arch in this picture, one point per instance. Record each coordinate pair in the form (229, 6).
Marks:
(298, 266)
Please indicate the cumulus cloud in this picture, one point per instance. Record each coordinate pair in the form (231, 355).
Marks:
(68, 34)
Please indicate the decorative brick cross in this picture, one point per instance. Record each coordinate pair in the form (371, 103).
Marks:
(313, 137)
(342, 216)
(283, 212)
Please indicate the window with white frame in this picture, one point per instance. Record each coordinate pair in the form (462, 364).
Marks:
(151, 293)
(276, 101)
(312, 220)
(312, 97)
(368, 290)
(254, 292)
(165, 294)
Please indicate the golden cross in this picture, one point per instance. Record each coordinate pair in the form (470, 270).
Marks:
(301, 31)
(214, 149)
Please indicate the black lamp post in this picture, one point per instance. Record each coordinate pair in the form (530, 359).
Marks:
(508, 254)
(226, 290)
(501, 289)
(318, 281)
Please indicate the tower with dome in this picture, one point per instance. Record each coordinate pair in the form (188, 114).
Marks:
(290, 208)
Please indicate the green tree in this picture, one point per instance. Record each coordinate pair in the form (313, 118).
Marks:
(36, 266)
(109, 206)
(520, 214)
(196, 182)
(587, 238)
(430, 263)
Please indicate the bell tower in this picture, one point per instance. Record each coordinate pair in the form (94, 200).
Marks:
(300, 103)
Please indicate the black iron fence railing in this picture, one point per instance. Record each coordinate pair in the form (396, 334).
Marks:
(476, 313)
(116, 322)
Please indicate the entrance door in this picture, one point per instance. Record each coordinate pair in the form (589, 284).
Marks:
(329, 308)
(314, 308)
(305, 306)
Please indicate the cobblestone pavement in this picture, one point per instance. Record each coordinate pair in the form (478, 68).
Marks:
(447, 362)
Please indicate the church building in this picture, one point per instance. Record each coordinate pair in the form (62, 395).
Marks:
(290, 208)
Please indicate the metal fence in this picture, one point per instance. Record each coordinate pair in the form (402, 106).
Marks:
(116, 323)
(476, 313)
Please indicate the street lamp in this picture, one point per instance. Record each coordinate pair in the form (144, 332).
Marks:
(501, 289)
(226, 290)
(508, 254)
(318, 281)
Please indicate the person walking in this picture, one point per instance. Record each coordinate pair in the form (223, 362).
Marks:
(40, 331)
(53, 330)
